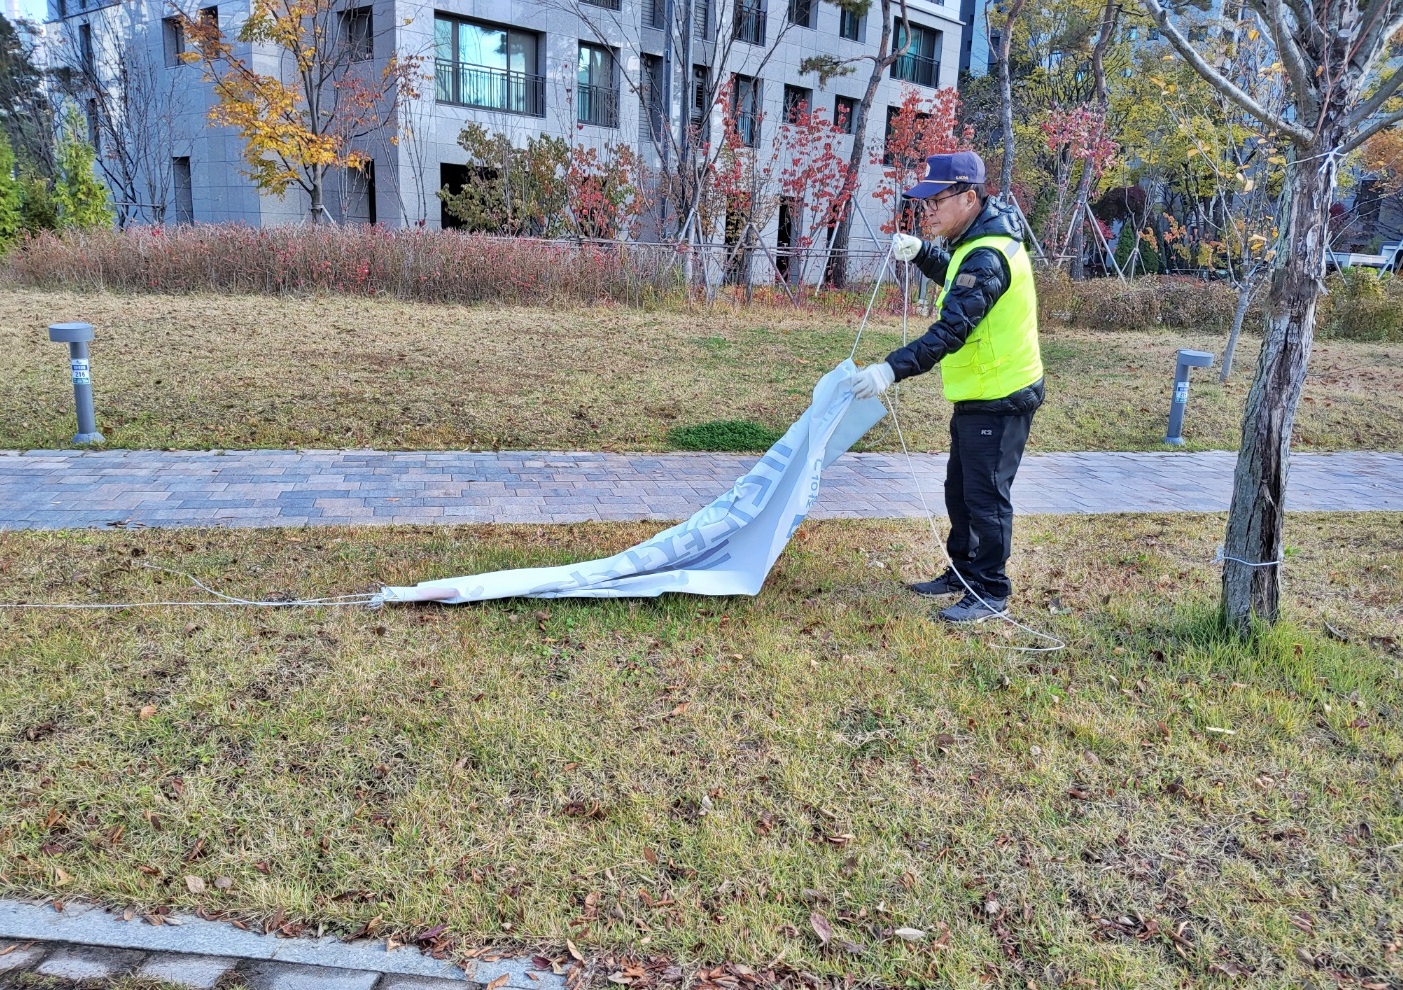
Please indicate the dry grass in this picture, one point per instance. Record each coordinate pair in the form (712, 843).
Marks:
(248, 371)
(693, 778)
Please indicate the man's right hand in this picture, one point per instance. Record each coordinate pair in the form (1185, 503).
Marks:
(904, 247)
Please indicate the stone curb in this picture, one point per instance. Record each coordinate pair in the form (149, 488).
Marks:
(88, 925)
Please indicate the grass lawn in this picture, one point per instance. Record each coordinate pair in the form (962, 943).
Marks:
(699, 780)
(251, 371)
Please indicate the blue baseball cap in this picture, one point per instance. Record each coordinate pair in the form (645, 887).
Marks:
(943, 171)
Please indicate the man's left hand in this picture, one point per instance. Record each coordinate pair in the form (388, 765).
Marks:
(872, 381)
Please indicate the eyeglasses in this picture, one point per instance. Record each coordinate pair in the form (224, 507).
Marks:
(935, 201)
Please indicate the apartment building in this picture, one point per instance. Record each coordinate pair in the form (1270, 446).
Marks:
(597, 72)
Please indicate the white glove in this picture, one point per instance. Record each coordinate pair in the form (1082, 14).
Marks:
(873, 380)
(904, 247)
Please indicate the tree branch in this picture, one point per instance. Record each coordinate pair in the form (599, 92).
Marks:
(1369, 130)
(1216, 79)
(1297, 67)
(1387, 89)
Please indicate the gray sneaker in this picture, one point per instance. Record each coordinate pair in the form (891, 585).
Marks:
(971, 609)
(947, 584)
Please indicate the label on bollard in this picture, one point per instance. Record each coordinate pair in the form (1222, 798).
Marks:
(1181, 392)
(80, 371)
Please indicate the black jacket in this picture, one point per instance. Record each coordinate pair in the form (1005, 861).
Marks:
(969, 299)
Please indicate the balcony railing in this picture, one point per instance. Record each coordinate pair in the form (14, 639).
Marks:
(489, 88)
(919, 69)
(597, 105)
(750, 23)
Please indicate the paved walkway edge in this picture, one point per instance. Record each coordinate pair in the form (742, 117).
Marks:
(87, 924)
(66, 489)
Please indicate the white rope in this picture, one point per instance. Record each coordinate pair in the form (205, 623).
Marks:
(871, 302)
(365, 599)
(1220, 557)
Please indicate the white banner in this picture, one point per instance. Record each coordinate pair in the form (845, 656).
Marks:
(727, 548)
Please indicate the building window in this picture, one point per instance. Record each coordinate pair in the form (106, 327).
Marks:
(94, 127)
(210, 15)
(701, 94)
(606, 4)
(798, 101)
(184, 190)
(801, 12)
(650, 99)
(749, 23)
(746, 104)
(919, 65)
(85, 47)
(701, 20)
(173, 33)
(654, 13)
(360, 193)
(844, 110)
(597, 101)
(852, 26)
(357, 35)
(482, 65)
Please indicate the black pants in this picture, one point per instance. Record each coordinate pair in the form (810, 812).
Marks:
(986, 446)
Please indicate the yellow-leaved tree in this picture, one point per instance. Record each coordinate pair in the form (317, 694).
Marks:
(323, 88)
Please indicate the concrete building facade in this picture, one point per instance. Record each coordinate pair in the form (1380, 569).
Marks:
(594, 73)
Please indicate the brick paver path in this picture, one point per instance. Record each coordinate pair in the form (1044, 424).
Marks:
(65, 489)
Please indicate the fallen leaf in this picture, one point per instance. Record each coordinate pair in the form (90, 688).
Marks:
(223, 883)
(195, 885)
(910, 934)
(63, 875)
(146, 712)
(821, 927)
(574, 952)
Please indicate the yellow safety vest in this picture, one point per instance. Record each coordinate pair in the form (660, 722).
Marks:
(1001, 356)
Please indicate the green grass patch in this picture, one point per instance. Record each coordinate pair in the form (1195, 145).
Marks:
(697, 779)
(723, 434)
(337, 372)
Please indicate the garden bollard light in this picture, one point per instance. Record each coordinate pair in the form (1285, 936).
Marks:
(76, 336)
(1187, 360)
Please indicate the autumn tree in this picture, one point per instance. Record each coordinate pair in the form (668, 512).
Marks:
(606, 190)
(1337, 97)
(922, 126)
(829, 67)
(813, 181)
(133, 102)
(328, 91)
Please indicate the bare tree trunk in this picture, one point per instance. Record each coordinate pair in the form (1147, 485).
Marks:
(1256, 516)
(1109, 17)
(1006, 99)
(318, 207)
(1245, 290)
(842, 230)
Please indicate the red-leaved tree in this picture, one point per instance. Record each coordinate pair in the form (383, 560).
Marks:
(921, 127)
(606, 190)
(813, 180)
(1078, 139)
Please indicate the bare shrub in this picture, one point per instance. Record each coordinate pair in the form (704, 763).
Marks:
(1193, 304)
(422, 265)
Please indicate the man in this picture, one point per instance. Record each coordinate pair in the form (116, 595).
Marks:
(986, 343)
